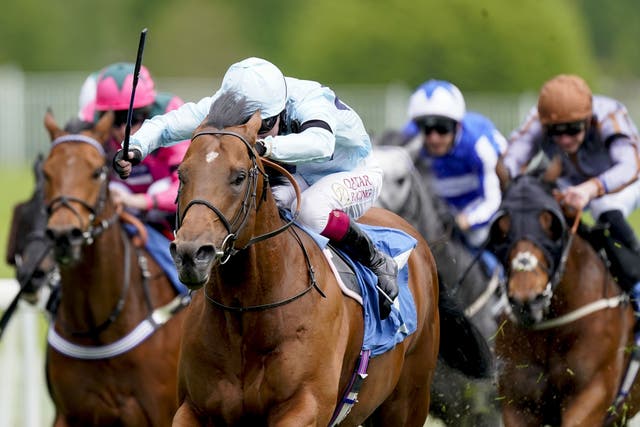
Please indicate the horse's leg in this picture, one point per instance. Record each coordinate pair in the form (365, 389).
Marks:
(60, 421)
(302, 410)
(589, 407)
(185, 417)
(514, 416)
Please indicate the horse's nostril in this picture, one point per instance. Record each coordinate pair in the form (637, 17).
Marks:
(205, 253)
(75, 234)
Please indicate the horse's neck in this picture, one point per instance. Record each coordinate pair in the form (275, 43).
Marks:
(256, 273)
(92, 287)
(585, 277)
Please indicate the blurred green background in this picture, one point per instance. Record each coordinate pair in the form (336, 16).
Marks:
(495, 47)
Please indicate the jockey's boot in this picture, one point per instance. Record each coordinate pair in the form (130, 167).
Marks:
(357, 244)
(624, 257)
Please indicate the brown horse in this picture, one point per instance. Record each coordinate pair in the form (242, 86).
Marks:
(28, 248)
(270, 339)
(111, 358)
(564, 347)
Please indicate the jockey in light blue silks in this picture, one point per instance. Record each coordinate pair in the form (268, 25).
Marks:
(304, 126)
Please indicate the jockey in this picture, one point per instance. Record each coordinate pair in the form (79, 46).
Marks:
(597, 143)
(460, 150)
(304, 126)
(152, 189)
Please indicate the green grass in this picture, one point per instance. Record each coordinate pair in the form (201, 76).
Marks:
(16, 186)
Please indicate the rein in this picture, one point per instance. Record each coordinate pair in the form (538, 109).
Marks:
(240, 218)
(155, 319)
(228, 249)
(581, 312)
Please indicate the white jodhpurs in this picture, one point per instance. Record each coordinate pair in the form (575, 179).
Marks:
(352, 192)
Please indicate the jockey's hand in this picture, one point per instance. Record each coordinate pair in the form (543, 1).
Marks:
(579, 196)
(263, 148)
(130, 200)
(462, 221)
(123, 166)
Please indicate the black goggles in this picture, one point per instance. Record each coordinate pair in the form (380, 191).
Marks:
(441, 125)
(268, 124)
(570, 129)
(137, 117)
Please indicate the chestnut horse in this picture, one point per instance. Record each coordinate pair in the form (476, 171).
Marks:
(564, 348)
(113, 345)
(269, 338)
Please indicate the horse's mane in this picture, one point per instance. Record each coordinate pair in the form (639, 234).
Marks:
(230, 109)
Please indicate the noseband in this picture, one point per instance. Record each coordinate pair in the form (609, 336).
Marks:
(91, 230)
(249, 200)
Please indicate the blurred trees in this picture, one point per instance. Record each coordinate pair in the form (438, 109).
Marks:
(493, 45)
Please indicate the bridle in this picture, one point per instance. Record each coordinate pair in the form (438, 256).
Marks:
(91, 229)
(249, 201)
(240, 218)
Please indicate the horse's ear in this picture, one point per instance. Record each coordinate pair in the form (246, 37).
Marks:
(254, 123)
(554, 169)
(551, 225)
(103, 127)
(51, 125)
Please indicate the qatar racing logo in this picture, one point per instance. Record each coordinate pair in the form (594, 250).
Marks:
(354, 189)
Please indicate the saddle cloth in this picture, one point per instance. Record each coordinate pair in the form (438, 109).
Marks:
(379, 335)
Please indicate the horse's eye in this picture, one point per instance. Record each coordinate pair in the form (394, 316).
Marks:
(239, 179)
(400, 181)
(182, 176)
(99, 173)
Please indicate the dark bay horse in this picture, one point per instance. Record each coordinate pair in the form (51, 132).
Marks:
(28, 248)
(456, 399)
(270, 339)
(565, 347)
(113, 345)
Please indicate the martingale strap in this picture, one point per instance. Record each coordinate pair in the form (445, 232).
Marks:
(159, 317)
(350, 396)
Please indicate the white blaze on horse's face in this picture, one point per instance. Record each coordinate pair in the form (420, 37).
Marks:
(524, 261)
(211, 156)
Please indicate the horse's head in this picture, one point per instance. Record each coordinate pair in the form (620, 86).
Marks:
(398, 169)
(222, 184)
(528, 236)
(28, 247)
(75, 186)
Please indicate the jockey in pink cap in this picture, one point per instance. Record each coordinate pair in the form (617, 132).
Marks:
(151, 190)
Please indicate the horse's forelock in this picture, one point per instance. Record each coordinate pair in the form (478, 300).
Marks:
(230, 109)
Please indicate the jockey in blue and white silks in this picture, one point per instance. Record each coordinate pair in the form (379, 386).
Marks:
(460, 150)
(306, 126)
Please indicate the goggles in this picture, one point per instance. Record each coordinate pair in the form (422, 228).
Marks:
(570, 129)
(137, 117)
(267, 124)
(441, 125)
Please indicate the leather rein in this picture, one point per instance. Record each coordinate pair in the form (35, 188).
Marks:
(240, 218)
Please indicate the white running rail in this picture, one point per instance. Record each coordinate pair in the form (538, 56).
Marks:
(24, 400)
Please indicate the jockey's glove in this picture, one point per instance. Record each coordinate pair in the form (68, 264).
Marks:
(135, 157)
(263, 148)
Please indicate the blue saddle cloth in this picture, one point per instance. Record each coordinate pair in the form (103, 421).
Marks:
(158, 247)
(382, 335)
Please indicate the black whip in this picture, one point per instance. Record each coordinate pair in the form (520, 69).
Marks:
(136, 72)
